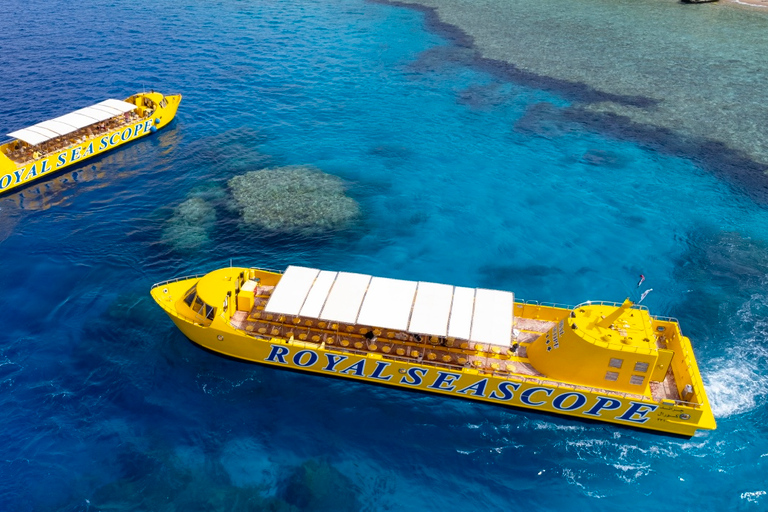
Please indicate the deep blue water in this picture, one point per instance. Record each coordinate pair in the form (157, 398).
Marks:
(461, 177)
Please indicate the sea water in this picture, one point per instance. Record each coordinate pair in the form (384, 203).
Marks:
(464, 175)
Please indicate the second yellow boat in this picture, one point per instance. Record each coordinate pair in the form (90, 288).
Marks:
(44, 148)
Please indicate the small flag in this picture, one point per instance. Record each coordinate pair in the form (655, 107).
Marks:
(646, 292)
(642, 278)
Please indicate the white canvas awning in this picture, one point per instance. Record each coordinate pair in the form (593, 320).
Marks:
(71, 122)
(291, 291)
(388, 303)
(318, 294)
(431, 309)
(460, 323)
(346, 296)
(492, 318)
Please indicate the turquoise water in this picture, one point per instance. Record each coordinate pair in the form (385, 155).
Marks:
(461, 176)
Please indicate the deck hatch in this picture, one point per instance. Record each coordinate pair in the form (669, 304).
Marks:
(388, 303)
(460, 323)
(431, 309)
(345, 298)
(492, 318)
(291, 292)
(318, 294)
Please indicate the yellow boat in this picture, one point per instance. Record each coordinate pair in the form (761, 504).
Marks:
(599, 361)
(47, 147)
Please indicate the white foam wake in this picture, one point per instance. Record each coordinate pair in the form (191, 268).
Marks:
(736, 381)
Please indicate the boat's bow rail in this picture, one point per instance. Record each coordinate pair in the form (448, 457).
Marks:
(177, 279)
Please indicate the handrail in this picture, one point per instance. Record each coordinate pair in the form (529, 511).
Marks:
(176, 279)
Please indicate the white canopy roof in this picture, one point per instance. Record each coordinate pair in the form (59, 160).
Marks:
(388, 303)
(431, 309)
(63, 125)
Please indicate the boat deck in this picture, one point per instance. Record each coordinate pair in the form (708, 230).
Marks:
(446, 352)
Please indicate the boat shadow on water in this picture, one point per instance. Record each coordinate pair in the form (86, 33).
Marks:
(61, 187)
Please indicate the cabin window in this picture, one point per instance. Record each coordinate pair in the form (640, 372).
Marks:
(616, 362)
(641, 367)
(637, 380)
(197, 305)
(190, 296)
(612, 376)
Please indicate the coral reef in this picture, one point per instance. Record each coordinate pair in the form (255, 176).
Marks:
(190, 224)
(293, 199)
(316, 486)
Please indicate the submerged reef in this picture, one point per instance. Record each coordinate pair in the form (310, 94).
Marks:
(316, 486)
(190, 225)
(293, 199)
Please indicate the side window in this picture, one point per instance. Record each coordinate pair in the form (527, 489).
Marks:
(641, 367)
(615, 362)
(612, 376)
(637, 380)
(190, 296)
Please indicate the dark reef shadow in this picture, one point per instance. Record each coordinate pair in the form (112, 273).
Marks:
(734, 167)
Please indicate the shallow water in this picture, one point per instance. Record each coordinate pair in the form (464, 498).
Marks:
(692, 73)
(462, 176)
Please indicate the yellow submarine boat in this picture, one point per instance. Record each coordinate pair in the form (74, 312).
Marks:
(47, 147)
(600, 361)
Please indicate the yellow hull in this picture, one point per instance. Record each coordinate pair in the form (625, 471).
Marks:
(528, 392)
(13, 175)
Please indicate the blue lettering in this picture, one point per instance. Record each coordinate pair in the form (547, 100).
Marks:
(357, 368)
(127, 131)
(147, 124)
(89, 151)
(380, 366)
(32, 171)
(136, 129)
(75, 155)
(637, 409)
(477, 389)
(277, 354)
(18, 173)
(609, 404)
(506, 393)
(413, 376)
(44, 167)
(525, 397)
(61, 160)
(579, 401)
(4, 183)
(112, 142)
(103, 143)
(333, 360)
(299, 355)
(446, 378)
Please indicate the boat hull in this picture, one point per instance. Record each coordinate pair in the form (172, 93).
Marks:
(13, 176)
(522, 392)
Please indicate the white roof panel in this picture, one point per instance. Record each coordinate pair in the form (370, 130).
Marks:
(291, 290)
(431, 309)
(388, 303)
(460, 323)
(76, 120)
(57, 127)
(492, 319)
(96, 114)
(346, 296)
(28, 136)
(122, 106)
(109, 110)
(43, 131)
(317, 295)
